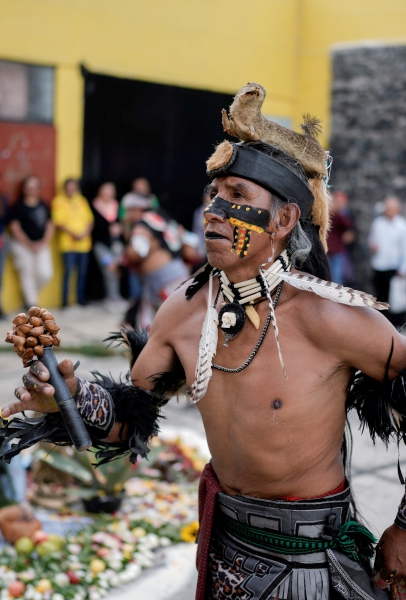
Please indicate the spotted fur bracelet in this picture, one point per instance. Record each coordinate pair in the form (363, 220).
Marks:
(95, 406)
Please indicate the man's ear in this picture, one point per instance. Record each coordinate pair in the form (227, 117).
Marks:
(287, 218)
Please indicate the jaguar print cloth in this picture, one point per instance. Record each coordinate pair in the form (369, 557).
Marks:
(95, 405)
(231, 582)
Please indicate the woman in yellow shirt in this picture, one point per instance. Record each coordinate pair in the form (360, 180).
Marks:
(74, 219)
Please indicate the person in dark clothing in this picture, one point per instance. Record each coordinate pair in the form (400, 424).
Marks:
(341, 234)
(107, 244)
(4, 204)
(32, 230)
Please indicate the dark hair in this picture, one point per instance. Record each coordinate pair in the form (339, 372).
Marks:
(316, 262)
(23, 183)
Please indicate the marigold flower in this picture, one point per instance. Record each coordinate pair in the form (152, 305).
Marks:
(188, 533)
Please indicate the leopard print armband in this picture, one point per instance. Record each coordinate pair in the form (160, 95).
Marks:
(400, 520)
(95, 406)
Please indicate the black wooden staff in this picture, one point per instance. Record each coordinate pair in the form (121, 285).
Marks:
(35, 335)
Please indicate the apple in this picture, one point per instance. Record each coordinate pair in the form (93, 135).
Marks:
(73, 578)
(39, 536)
(55, 539)
(43, 585)
(16, 589)
(44, 548)
(97, 566)
(24, 545)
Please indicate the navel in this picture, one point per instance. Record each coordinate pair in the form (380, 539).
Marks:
(277, 404)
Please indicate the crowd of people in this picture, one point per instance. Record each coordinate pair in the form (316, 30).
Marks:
(386, 246)
(136, 240)
(133, 239)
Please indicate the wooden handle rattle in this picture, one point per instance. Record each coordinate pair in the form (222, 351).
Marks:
(33, 337)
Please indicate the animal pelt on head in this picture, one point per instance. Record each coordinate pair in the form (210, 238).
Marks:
(245, 121)
(221, 156)
(320, 208)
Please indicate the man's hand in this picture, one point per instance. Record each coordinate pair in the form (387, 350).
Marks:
(390, 561)
(37, 394)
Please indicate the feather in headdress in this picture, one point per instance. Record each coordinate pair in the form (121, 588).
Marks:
(331, 291)
(273, 319)
(207, 349)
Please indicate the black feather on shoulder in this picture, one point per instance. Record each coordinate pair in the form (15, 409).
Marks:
(200, 279)
(133, 339)
(381, 406)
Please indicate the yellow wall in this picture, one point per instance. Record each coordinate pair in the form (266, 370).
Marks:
(210, 44)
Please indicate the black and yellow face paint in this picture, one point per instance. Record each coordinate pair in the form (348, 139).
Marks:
(244, 217)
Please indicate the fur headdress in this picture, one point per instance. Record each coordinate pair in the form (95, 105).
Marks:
(246, 122)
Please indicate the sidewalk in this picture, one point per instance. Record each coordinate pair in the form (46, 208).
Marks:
(374, 469)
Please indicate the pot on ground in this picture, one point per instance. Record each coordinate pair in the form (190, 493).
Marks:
(103, 504)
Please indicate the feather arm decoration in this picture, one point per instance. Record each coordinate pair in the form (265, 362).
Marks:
(133, 340)
(331, 291)
(274, 323)
(207, 349)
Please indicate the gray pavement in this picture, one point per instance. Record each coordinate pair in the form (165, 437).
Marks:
(374, 468)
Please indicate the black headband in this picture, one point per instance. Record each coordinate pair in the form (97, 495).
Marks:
(248, 163)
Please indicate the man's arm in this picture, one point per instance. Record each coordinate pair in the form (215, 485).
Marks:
(364, 339)
(360, 338)
(158, 356)
(49, 233)
(20, 235)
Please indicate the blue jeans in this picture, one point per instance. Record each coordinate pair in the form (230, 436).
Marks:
(134, 285)
(337, 266)
(80, 260)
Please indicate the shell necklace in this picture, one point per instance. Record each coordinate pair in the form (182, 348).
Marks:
(242, 295)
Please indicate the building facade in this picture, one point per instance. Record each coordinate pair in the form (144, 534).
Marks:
(210, 45)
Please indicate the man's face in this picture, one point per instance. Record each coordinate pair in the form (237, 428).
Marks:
(219, 233)
(71, 188)
(141, 186)
(134, 214)
(392, 207)
(32, 186)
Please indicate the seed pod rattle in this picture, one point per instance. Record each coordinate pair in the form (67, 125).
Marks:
(33, 336)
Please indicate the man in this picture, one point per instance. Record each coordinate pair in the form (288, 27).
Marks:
(140, 188)
(275, 434)
(31, 232)
(155, 248)
(4, 205)
(387, 242)
(74, 219)
(340, 236)
(132, 208)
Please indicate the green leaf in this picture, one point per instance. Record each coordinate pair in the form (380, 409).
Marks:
(65, 464)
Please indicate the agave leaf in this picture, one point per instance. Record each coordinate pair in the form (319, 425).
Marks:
(65, 464)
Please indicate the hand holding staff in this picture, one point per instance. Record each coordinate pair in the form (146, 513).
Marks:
(33, 337)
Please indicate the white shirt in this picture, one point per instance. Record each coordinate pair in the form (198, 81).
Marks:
(389, 235)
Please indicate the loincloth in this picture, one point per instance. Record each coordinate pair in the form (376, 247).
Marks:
(263, 549)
